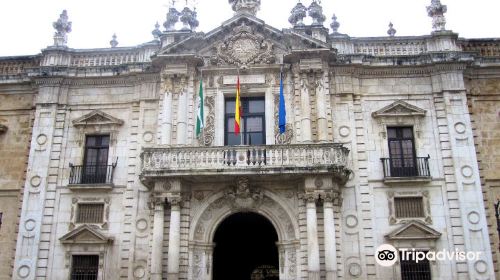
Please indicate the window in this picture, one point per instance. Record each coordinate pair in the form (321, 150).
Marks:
(95, 167)
(84, 267)
(411, 270)
(409, 207)
(91, 213)
(252, 122)
(402, 152)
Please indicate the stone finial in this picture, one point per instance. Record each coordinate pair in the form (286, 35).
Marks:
(172, 19)
(315, 11)
(245, 6)
(335, 24)
(299, 12)
(156, 32)
(391, 30)
(62, 27)
(189, 19)
(113, 41)
(436, 11)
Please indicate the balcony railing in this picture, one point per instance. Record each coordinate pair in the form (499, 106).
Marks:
(406, 167)
(91, 174)
(273, 159)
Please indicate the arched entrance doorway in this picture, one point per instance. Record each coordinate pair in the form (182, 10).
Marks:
(245, 249)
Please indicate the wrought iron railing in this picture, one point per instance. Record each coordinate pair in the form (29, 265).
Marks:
(406, 167)
(184, 161)
(91, 174)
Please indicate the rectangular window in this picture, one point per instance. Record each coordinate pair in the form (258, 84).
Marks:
(84, 267)
(90, 213)
(253, 121)
(402, 152)
(95, 163)
(409, 207)
(411, 270)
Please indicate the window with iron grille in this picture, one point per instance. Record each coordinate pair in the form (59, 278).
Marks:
(411, 270)
(90, 213)
(409, 207)
(85, 267)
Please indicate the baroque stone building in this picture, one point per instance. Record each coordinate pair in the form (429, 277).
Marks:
(382, 143)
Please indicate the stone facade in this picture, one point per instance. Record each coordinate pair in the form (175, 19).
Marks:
(325, 185)
(16, 120)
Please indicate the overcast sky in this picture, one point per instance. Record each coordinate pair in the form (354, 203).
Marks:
(26, 25)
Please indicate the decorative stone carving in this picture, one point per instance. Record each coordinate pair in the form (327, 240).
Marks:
(335, 25)
(399, 113)
(172, 18)
(62, 27)
(315, 11)
(97, 200)
(209, 130)
(436, 11)
(245, 6)
(85, 234)
(156, 32)
(391, 32)
(243, 47)
(427, 218)
(243, 196)
(414, 230)
(281, 138)
(113, 41)
(189, 19)
(97, 122)
(299, 12)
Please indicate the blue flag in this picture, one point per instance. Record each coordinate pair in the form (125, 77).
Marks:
(282, 108)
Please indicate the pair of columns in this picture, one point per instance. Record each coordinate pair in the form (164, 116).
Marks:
(174, 240)
(329, 236)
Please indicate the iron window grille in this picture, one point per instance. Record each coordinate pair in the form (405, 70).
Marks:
(85, 267)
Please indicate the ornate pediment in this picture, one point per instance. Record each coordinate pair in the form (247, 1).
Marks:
(97, 118)
(3, 129)
(414, 230)
(85, 234)
(399, 109)
(244, 47)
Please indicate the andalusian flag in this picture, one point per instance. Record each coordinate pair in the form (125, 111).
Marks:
(200, 116)
(237, 110)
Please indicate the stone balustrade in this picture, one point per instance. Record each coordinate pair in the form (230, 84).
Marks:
(390, 47)
(485, 47)
(271, 159)
(17, 65)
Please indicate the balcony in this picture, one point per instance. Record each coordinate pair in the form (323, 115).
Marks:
(272, 160)
(406, 169)
(91, 176)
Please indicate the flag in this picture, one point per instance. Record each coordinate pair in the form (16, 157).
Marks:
(282, 108)
(200, 124)
(237, 110)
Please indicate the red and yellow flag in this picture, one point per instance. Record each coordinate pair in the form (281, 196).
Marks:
(237, 110)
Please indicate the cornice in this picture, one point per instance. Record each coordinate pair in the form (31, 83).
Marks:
(391, 71)
(128, 80)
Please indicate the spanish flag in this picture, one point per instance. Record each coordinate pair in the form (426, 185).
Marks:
(237, 110)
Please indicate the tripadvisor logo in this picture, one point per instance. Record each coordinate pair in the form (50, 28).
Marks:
(386, 255)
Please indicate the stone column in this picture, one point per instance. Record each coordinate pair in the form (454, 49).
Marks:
(312, 238)
(166, 133)
(182, 114)
(329, 230)
(321, 121)
(305, 110)
(157, 253)
(174, 240)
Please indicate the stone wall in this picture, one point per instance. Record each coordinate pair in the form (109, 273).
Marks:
(16, 115)
(484, 106)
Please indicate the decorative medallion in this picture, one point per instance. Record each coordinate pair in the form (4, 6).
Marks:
(244, 47)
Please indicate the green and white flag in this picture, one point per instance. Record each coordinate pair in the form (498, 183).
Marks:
(200, 123)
